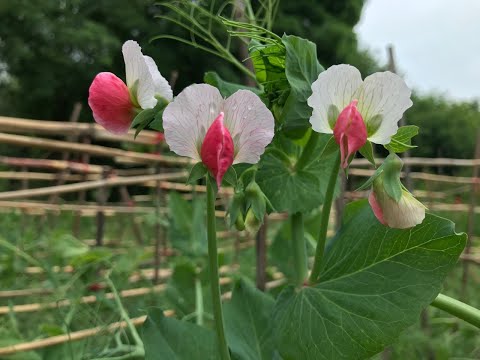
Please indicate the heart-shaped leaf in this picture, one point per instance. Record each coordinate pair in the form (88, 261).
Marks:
(374, 284)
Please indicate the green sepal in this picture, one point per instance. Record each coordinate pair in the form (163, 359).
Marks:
(367, 152)
(237, 207)
(402, 140)
(391, 176)
(142, 119)
(230, 177)
(198, 171)
(369, 182)
(149, 117)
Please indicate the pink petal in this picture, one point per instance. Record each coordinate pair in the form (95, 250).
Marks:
(377, 209)
(110, 102)
(217, 149)
(350, 132)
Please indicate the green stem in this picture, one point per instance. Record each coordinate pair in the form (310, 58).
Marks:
(299, 249)
(123, 313)
(308, 150)
(199, 301)
(213, 271)
(322, 236)
(458, 309)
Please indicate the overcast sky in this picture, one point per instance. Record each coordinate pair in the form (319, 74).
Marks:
(437, 42)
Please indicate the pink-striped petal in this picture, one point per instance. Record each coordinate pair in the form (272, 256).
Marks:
(188, 117)
(110, 102)
(251, 125)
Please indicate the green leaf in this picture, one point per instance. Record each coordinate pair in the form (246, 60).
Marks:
(301, 69)
(402, 140)
(226, 88)
(367, 152)
(290, 189)
(171, 339)
(198, 171)
(188, 236)
(374, 284)
(247, 323)
(368, 184)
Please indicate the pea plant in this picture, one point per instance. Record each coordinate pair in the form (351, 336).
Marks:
(282, 145)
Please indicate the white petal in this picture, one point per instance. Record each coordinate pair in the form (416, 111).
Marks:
(138, 75)
(251, 125)
(382, 100)
(187, 118)
(162, 87)
(331, 93)
(407, 213)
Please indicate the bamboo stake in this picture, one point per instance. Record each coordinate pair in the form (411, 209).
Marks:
(51, 164)
(113, 181)
(74, 336)
(89, 299)
(96, 150)
(22, 126)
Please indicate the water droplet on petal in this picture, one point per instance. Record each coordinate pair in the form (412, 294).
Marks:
(249, 108)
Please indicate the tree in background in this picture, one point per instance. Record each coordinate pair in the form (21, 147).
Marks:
(50, 50)
(448, 129)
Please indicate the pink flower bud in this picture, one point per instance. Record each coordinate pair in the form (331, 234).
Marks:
(217, 149)
(350, 132)
(110, 102)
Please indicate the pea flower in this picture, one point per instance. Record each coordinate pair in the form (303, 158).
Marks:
(405, 213)
(114, 103)
(202, 125)
(356, 111)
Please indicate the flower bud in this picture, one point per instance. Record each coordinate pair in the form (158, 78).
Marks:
(252, 224)
(217, 149)
(350, 132)
(402, 214)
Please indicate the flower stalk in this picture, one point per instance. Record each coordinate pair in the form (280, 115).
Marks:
(457, 308)
(213, 271)
(322, 236)
(299, 249)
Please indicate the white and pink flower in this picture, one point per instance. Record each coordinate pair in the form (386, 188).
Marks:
(114, 103)
(356, 111)
(202, 125)
(404, 214)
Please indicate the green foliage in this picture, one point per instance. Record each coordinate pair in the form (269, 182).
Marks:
(329, 24)
(362, 303)
(291, 189)
(226, 88)
(301, 70)
(448, 129)
(188, 236)
(247, 323)
(171, 339)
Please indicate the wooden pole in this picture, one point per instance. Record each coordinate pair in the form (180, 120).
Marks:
(393, 68)
(137, 231)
